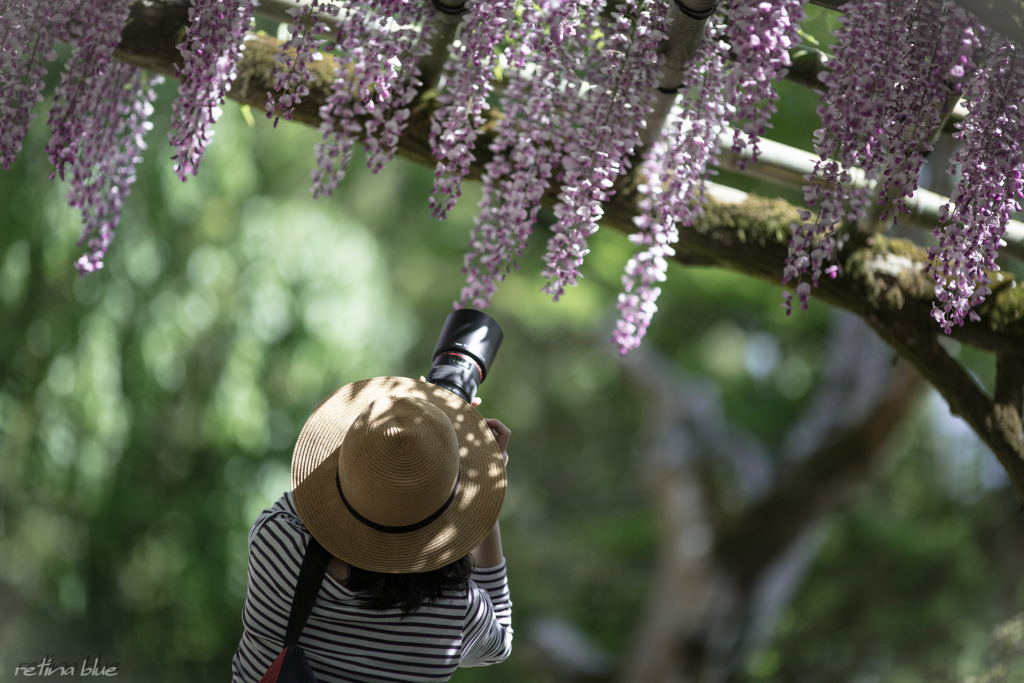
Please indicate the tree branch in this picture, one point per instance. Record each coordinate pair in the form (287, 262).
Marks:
(884, 279)
(787, 166)
(736, 571)
(1010, 381)
(997, 422)
(820, 483)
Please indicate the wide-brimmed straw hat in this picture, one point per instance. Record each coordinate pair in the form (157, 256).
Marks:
(395, 475)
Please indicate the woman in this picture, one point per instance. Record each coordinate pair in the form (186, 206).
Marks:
(401, 482)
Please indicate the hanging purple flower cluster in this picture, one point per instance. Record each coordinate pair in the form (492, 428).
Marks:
(81, 103)
(860, 81)
(991, 163)
(759, 35)
(99, 117)
(292, 75)
(539, 105)
(930, 79)
(398, 81)
(621, 76)
(376, 79)
(354, 38)
(104, 169)
(211, 50)
(470, 77)
(676, 168)
(27, 32)
(576, 79)
(890, 85)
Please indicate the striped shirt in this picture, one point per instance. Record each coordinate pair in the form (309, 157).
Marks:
(347, 643)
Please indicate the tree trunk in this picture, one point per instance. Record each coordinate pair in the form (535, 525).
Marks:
(722, 578)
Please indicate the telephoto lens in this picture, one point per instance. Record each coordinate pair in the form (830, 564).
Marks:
(464, 353)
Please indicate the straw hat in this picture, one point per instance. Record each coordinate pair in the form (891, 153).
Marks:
(395, 475)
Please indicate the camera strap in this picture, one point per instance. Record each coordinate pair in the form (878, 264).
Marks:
(291, 666)
(311, 575)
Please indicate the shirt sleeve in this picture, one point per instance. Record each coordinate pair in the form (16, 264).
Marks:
(487, 634)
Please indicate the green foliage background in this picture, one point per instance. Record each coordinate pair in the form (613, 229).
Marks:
(147, 415)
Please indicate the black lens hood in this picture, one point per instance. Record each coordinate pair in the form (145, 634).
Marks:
(471, 333)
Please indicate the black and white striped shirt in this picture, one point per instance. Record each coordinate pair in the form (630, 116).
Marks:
(347, 643)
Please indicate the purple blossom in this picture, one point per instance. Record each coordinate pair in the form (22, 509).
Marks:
(760, 34)
(675, 170)
(622, 76)
(469, 75)
(991, 163)
(863, 74)
(99, 117)
(942, 46)
(377, 79)
(398, 81)
(291, 64)
(103, 169)
(538, 105)
(211, 50)
(78, 107)
(354, 37)
(27, 32)
(578, 83)
(562, 17)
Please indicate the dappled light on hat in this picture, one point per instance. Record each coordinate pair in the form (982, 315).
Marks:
(396, 475)
(399, 461)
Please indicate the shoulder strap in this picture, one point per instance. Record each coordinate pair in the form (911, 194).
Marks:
(311, 575)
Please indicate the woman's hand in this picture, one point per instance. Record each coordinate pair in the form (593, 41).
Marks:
(488, 553)
(502, 435)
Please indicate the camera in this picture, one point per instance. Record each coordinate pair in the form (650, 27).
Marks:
(464, 353)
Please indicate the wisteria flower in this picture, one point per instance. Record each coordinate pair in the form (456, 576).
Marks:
(863, 73)
(291, 63)
(991, 163)
(621, 79)
(675, 170)
(103, 170)
(377, 79)
(72, 117)
(940, 56)
(27, 32)
(211, 50)
(469, 75)
(759, 34)
(100, 115)
(539, 104)
(398, 81)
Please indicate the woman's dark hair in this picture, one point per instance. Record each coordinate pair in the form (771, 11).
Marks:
(409, 592)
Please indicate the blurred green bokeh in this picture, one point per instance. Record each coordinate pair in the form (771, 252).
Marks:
(147, 415)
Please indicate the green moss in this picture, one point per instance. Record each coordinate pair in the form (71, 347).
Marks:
(1005, 307)
(883, 287)
(256, 67)
(898, 247)
(756, 220)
